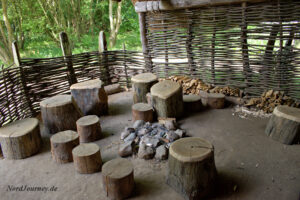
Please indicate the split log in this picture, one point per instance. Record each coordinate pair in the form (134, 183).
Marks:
(90, 97)
(59, 114)
(284, 125)
(117, 177)
(192, 103)
(89, 128)
(216, 100)
(87, 158)
(141, 84)
(167, 99)
(112, 89)
(142, 111)
(191, 167)
(20, 139)
(62, 144)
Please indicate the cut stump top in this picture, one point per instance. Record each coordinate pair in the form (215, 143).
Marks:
(91, 84)
(144, 78)
(191, 149)
(88, 120)
(191, 98)
(19, 128)
(85, 149)
(288, 112)
(141, 107)
(64, 136)
(165, 89)
(56, 101)
(117, 168)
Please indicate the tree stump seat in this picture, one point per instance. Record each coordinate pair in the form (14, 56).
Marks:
(89, 128)
(90, 97)
(20, 139)
(167, 99)
(284, 125)
(59, 114)
(192, 103)
(191, 167)
(117, 178)
(142, 111)
(213, 100)
(62, 144)
(141, 85)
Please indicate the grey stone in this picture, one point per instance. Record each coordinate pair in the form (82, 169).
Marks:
(126, 132)
(138, 123)
(145, 152)
(172, 136)
(150, 141)
(126, 149)
(180, 133)
(142, 131)
(161, 153)
(170, 125)
(130, 137)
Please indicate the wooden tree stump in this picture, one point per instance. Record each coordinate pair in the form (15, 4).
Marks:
(112, 89)
(192, 103)
(117, 177)
(89, 128)
(90, 97)
(20, 139)
(191, 167)
(284, 125)
(167, 99)
(142, 111)
(141, 84)
(62, 144)
(87, 158)
(216, 100)
(59, 114)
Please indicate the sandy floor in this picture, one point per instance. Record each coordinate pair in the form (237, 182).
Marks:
(250, 165)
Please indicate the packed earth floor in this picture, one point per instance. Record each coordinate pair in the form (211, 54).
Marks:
(249, 164)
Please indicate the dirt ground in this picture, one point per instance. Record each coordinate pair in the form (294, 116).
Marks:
(250, 165)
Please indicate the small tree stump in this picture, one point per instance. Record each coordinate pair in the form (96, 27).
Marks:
(90, 97)
(141, 84)
(192, 103)
(59, 114)
(89, 128)
(117, 177)
(191, 167)
(20, 139)
(87, 158)
(142, 111)
(284, 125)
(62, 144)
(167, 99)
(112, 89)
(216, 100)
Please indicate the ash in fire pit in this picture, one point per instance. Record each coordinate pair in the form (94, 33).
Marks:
(151, 139)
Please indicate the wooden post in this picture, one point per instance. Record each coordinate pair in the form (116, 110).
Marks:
(143, 31)
(67, 53)
(189, 50)
(105, 76)
(125, 66)
(6, 90)
(166, 51)
(213, 43)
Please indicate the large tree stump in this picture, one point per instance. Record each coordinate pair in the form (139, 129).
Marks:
(87, 158)
(284, 125)
(191, 167)
(192, 103)
(141, 84)
(142, 111)
(216, 100)
(62, 144)
(117, 177)
(59, 114)
(167, 99)
(20, 139)
(90, 97)
(89, 128)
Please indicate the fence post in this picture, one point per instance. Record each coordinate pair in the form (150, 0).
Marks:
(213, 44)
(67, 53)
(245, 54)
(17, 61)
(105, 75)
(125, 67)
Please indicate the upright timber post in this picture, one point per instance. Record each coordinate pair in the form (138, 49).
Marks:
(67, 53)
(143, 30)
(105, 75)
(17, 61)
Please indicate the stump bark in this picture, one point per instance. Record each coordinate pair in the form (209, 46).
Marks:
(87, 158)
(62, 144)
(167, 99)
(89, 128)
(192, 103)
(284, 125)
(117, 177)
(141, 84)
(20, 139)
(142, 111)
(90, 97)
(216, 100)
(191, 167)
(59, 113)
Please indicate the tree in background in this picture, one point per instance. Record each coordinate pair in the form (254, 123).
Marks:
(115, 19)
